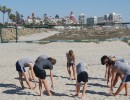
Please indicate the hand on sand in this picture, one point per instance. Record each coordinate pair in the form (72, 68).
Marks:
(32, 88)
(30, 79)
(111, 93)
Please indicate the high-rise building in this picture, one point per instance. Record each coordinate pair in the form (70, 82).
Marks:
(82, 19)
(92, 21)
(100, 19)
(106, 18)
(115, 17)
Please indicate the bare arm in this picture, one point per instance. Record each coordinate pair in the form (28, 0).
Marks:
(113, 73)
(32, 72)
(109, 74)
(74, 58)
(51, 77)
(106, 72)
(67, 56)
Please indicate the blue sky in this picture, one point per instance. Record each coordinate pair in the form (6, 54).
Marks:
(64, 7)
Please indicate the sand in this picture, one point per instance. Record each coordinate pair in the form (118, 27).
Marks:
(38, 36)
(63, 88)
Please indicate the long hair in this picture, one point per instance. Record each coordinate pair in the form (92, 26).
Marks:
(71, 53)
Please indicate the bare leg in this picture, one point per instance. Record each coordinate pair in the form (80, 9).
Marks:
(116, 79)
(126, 89)
(84, 90)
(27, 81)
(109, 76)
(74, 72)
(40, 86)
(77, 88)
(29, 73)
(46, 87)
(106, 72)
(69, 72)
(122, 85)
(21, 80)
(32, 73)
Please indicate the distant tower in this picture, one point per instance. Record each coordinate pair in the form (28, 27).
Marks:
(71, 15)
(45, 16)
(33, 15)
(73, 18)
(28, 17)
(57, 16)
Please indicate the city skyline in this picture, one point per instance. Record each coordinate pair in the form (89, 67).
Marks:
(63, 8)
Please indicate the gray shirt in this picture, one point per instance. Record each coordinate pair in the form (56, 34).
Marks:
(118, 58)
(43, 56)
(44, 64)
(122, 67)
(82, 66)
(24, 62)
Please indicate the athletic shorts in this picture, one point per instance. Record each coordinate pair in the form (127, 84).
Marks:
(70, 64)
(20, 68)
(39, 73)
(126, 78)
(83, 76)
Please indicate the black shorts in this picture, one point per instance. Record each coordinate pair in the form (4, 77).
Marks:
(19, 68)
(70, 64)
(39, 73)
(83, 76)
(126, 78)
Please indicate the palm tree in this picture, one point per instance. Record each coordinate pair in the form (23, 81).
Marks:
(12, 17)
(3, 10)
(8, 11)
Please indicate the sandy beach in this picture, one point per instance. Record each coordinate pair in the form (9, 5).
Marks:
(63, 88)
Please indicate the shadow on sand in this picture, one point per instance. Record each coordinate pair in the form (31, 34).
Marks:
(13, 89)
(96, 78)
(93, 92)
(98, 93)
(61, 77)
(61, 94)
(98, 85)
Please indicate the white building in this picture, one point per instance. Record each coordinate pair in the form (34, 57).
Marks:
(55, 21)
(100, 20)
(115, 17)
(109, 18)
(34, 21)
(82, 19)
